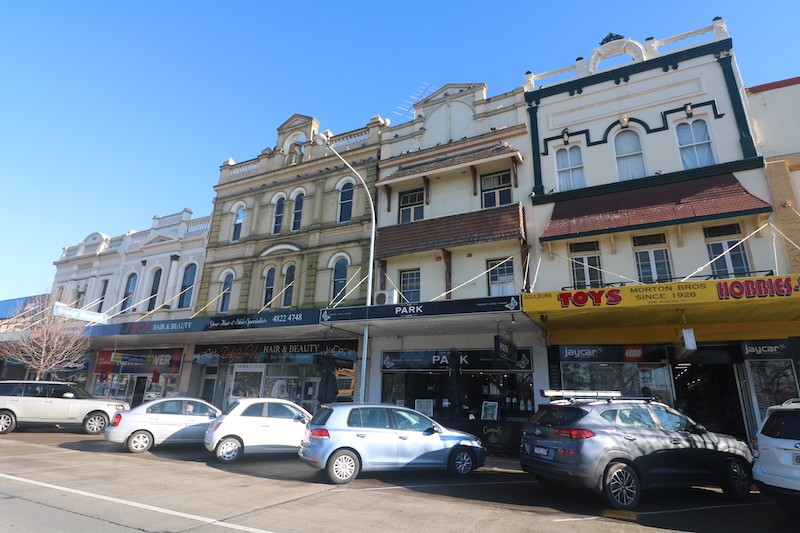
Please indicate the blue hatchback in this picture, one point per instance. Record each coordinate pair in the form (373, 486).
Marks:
(346, 438)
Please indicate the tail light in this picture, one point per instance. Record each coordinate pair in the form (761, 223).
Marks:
(216, 425)
(754, 446)
(320, 433)
(116, 420)
(575, 433)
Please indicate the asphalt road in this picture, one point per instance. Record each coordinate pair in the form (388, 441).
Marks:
(57, 480)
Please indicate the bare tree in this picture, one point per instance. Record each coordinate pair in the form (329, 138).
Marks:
(42, 341)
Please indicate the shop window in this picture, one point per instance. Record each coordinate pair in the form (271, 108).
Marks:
(501, 277)
(130, 289)
(187, 286)
(585, 265)
(496, 189)
(630, 160)
(569, 167)
(652, 258)
(346, 203)
(729, 256)
(410, 281)
(695, 144)
(151, 304)
(411, 206)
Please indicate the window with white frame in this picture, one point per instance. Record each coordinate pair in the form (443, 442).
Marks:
(339, 281)
(187, 286)
(130, 289)
(585, 264)
(103, 291)
(225, 299)
(501, 277)
(277, 220)
(151, 302)
(346, 202)
(731, 260)
(297, 212)
(238, 218)
(569, 168)
(695, 144)
(630, 160)
(652, 258)
(288, 286)
(269, 287)
(410, 285)
(412, 206)
(496, 189)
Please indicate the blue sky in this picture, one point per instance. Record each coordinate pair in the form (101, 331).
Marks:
(114, 112)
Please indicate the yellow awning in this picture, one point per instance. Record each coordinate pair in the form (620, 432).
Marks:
(717, 310)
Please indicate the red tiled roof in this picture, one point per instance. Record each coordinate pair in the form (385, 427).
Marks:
(451, 161)
(477, 227)
(670, 203)
(773, 85)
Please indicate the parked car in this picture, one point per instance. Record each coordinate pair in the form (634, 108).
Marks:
(620, 447)
(345, 439)
(776, 447)
(256, 425)
(53, 403)
(167, 420)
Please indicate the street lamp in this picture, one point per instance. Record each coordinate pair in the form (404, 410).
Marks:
(322, 140)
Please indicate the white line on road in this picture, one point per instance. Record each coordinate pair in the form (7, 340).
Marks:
(428, 486)
(129, 503)
(705, 508)
(575, 519)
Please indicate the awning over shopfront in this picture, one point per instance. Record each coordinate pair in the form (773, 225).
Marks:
(717, 310)
(687, 201)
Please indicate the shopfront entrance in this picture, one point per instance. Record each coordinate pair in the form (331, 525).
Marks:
(711, 395)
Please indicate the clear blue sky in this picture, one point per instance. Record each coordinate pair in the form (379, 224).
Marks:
(113, 112)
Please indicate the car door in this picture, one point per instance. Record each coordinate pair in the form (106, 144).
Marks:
(28, 405)
(287, 426)
(696, 457)
(166, 420)
(197, 417)
(254, 428)
(655, 452)
(418, 444)
(56, 408)
(374, 437)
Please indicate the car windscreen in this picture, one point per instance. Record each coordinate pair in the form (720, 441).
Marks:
(321, 416)
(556, 415)
(783, 425)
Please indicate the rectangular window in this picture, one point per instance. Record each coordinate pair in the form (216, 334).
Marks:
(410, 284)
(411, 206)
(103, 290)
(501, 277)
(585, 267)
(496, 189)
(734, 263)
(652, 258)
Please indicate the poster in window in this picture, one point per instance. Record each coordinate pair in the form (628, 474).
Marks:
(424, 406)
(489, 411)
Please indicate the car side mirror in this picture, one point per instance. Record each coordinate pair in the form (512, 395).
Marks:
(301, 418)
(433, 429)
(699, 429)
(68, 395)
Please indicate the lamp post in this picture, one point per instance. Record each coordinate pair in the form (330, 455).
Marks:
(322, 140)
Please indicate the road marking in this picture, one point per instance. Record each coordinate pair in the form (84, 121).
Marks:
(211, 521)
(575, 519)
(430, 485)
(705, 508)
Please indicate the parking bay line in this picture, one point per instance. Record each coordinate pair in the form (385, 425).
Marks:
(211, 521)
(427, 486)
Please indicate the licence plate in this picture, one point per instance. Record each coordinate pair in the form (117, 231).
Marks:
(795, 458)
(539, 450)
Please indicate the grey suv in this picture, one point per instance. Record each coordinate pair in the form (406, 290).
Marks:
(52, 403)
(620, 447)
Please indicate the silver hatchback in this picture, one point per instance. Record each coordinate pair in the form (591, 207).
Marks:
(620, 447)
(346, 438)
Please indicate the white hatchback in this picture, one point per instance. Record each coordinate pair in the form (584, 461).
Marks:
(256, 425)
(168, 420)
(776, 447)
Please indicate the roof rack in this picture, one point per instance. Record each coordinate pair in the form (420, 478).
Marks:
(791, 401)
(575, 394)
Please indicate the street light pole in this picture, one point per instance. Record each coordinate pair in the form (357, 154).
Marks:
(322, 140)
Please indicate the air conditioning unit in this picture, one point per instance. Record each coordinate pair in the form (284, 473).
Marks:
(389, 297)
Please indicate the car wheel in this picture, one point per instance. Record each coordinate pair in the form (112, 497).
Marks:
(140, 441)
(790, 509)
(95, 423)
(621, 487)
(7, 421)
(229, 450)
(462, 462)
(737, 479)
(343, 467)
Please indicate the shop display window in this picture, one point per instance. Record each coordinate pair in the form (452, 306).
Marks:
(631, 379)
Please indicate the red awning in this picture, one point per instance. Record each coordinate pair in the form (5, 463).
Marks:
(673, 203)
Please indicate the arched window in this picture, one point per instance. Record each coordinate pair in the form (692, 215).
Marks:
(237, 224)
(278, 219)
(569, 167)
(151, 302)
(130, 288)
(339, 280)
(288, 284)
(225, 299)
(269, 287)
(187, 286)
(297, 213)
(630, 161)
(695, 144)
(346, 202)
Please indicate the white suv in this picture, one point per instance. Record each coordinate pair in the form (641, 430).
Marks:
(776, 471)
(54, 402)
